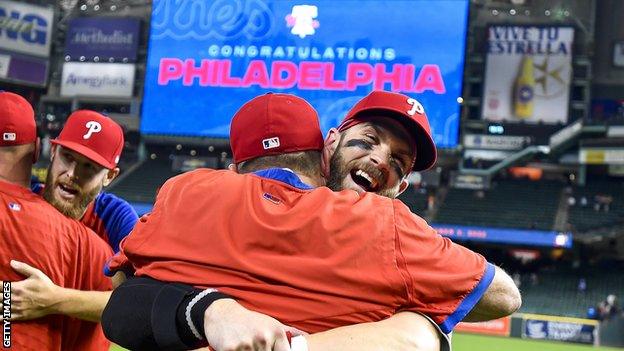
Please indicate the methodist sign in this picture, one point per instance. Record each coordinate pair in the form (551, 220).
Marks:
(206, 59)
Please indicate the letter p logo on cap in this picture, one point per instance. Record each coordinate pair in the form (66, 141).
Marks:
(93, 127)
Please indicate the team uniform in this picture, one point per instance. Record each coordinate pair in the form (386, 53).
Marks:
(109, 216)
(34, 232)
(311, 258)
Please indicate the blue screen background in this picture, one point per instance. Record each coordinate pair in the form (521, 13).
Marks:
(421, 32)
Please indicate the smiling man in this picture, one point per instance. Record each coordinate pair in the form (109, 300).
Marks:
(376, 146)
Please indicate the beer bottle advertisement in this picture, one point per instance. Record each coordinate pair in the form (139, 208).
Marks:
(528, 74)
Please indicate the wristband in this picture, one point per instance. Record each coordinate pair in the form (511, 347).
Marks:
(299, 343)
(189, 308)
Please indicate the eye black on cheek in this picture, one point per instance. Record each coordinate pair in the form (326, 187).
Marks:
(359, 143)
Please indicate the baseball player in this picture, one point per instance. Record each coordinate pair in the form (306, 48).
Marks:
(32, 231)
(344, 258)
(83, 161)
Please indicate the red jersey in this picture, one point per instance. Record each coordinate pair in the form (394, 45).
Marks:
(109, 216)
(312, 258)
(34, 232)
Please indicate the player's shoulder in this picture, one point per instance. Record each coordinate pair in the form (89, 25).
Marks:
(107, 204)
(352, 198)
(200, 174)
(105, 199)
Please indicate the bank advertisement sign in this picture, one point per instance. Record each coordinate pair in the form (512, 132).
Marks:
(206, 59)
(528, 74)
(97, 79)
(102, 37)
(25, 28)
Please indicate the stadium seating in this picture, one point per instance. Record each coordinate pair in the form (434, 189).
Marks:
(586, 217)
(416, 200)
(556, 292)
(519, 204)
(142, 183)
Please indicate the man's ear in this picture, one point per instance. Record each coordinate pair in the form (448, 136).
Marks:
(329, 147)
(232, 167)
(110, 175)
(404, 185)
(37, 150)
(52, 152)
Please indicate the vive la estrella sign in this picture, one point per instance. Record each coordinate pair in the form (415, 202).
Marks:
(528, 73)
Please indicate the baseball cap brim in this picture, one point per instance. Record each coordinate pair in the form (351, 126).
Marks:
(426, 153)
(85, 151)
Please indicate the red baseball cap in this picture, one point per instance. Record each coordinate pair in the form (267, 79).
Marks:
(17, 120)
(94, 136)
(406, 110)
(274, 124)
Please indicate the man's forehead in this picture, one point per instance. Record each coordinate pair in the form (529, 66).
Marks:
(389, 126)
(79, 157)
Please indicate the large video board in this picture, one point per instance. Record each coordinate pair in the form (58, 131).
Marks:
(206, 58)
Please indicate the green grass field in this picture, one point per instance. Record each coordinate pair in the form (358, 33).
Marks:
(469, 342)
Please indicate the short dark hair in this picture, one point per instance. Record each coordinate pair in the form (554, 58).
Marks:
(307, 163)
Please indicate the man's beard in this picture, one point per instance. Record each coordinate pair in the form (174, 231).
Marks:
(74, 209)
(338, 171)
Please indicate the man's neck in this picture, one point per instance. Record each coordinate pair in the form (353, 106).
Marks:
(15, 173)
(315, 181)
(21, 181)
(16, 164)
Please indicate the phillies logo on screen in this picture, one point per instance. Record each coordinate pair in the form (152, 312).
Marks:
(302, 20)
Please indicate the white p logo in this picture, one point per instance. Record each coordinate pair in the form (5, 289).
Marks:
(416, 107)
(93, 127)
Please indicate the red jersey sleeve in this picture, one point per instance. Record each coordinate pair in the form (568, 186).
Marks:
(119, 262)
(444, 280)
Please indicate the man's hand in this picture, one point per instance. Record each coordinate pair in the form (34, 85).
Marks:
(231, 327)
(33, 297)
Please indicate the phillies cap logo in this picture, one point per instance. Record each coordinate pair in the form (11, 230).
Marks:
(92, 127)
(271, 143)
(416, 107)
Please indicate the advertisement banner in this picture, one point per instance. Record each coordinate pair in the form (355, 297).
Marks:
(21, 69)
(102, 37)
(559, 330)
(208, 58)
(528, 73)
(495, 142)
(469, 181)
(501, 327)
(5, 60)
(97, 79)
(25, 28)
(505, 235)
(601, 156)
